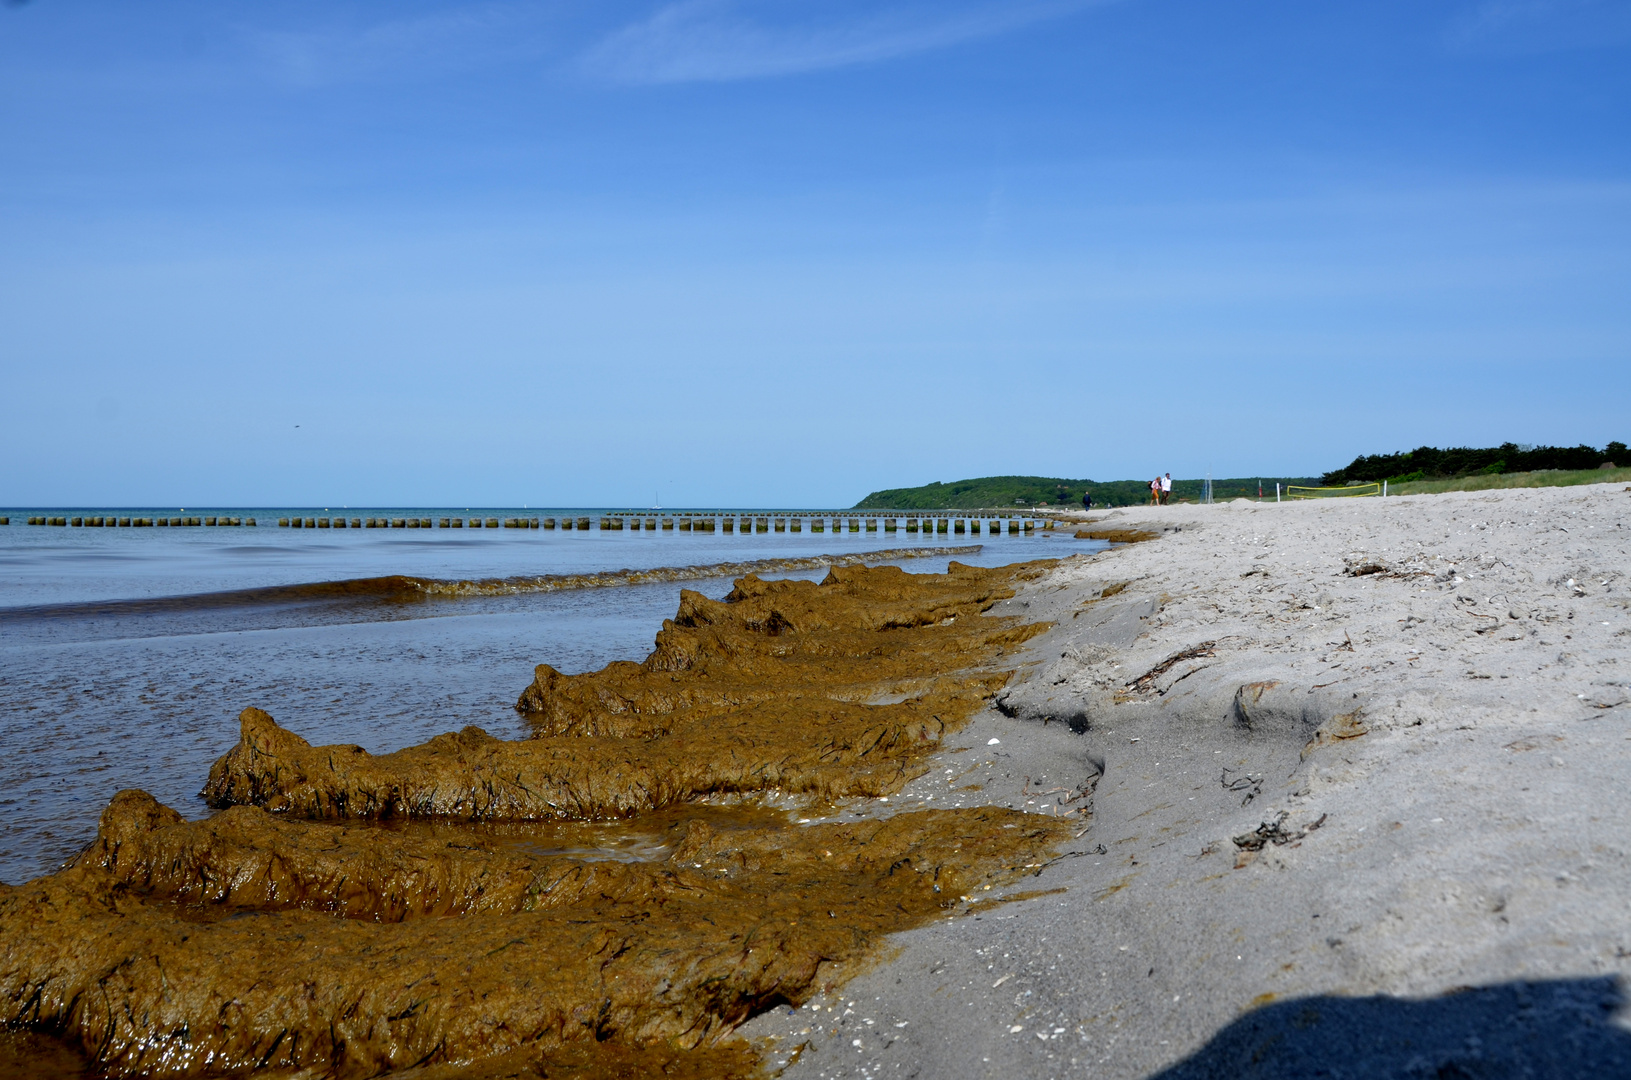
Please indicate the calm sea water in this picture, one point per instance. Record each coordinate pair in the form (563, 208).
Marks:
(126, 654)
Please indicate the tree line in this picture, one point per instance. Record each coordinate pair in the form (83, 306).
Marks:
(1432, 463)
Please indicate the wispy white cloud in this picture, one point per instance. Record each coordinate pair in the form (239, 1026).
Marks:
(425, 44)
(725, 40)
(1508, 26)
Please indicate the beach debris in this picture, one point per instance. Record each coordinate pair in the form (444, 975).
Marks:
(1274, 832)
(1339, 728)
(1607, 695)
(1075, 795)
(1247, 698)
(1360, 564)
(1146, 683)
(1115, 589)
(1117, 536)
(1267, 832)
(1251, 786)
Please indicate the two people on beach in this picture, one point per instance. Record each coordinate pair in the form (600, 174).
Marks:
(1161, 490)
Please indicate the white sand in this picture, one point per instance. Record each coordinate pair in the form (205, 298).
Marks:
(1460, 723)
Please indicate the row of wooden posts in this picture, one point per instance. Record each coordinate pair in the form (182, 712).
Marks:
(132, 522)
(692, 523)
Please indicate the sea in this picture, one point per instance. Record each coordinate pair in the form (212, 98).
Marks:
(126, 653)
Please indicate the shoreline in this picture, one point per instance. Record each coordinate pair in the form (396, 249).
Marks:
(1340, 785)
(1423, 687)
(406, 588)
(438, 941)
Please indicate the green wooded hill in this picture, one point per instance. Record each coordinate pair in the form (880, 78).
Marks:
(1008, 492)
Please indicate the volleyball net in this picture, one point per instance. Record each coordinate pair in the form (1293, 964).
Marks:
(1351, 492)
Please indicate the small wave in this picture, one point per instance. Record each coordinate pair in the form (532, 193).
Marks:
(401, 588)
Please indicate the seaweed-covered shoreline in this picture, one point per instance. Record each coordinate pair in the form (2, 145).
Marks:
(275, 937)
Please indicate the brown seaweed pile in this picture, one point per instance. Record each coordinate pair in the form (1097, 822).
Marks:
(1117, 536)
(352, 915)
(767, 690)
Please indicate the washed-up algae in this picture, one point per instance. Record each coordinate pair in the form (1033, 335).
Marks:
(1117, 536)
(856, 635)
(766, 690)
(39, 1057)
(286, 937)
(252, 969)
(403, 589)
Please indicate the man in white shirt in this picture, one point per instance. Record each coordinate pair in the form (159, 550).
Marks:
(1166, 489)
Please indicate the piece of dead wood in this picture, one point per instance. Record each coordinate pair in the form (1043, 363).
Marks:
(1146, 682)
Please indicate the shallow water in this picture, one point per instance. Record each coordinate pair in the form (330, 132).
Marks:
(98, 696)
(53, 564)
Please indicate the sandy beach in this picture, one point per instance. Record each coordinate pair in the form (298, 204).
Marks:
(557, 541)
(1357, 773)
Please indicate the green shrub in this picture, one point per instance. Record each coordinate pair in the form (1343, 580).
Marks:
(1430, 462)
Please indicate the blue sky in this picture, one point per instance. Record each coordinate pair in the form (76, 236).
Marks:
(775, 252)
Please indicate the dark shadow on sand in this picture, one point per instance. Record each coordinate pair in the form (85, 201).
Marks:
(1558, 1030)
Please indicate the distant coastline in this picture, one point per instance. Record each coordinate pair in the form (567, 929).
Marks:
(1018, 493)
(1035, 492)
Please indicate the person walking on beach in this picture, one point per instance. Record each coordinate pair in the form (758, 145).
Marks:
(1166, 489)
(1155, 491)
(1087, 501)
